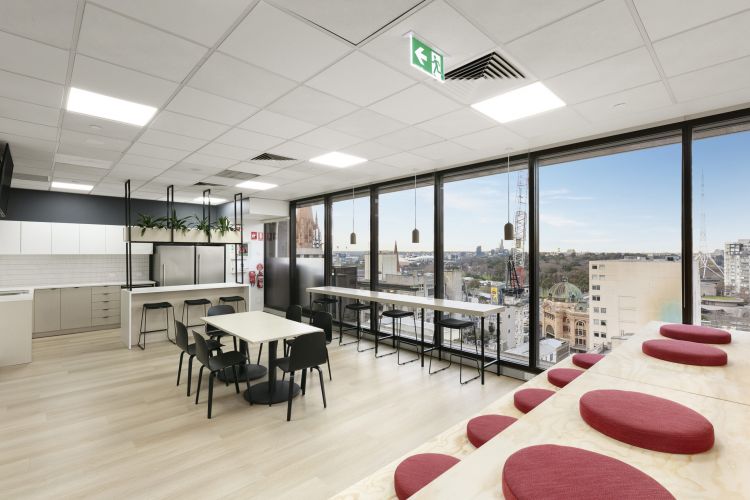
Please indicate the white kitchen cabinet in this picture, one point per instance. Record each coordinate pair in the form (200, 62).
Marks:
(36, 238)
(46, 310)
(92, 239)
(75, 307)
(114, 243)
(66, 239)
(142, 248)
(10, 237)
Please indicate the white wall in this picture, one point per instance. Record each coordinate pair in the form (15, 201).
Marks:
(28, 270)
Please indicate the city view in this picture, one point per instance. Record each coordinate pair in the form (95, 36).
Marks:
(609, 237)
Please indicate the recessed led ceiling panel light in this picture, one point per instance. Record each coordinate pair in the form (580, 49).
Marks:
(109, 108)
(71, 186)
(340, 160)
(261, 186)
(214, 201)
(520, 103)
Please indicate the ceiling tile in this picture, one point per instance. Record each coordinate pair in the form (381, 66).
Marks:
(440, 26)
(19, 110)
(228, 77)
(519, 17)
(21, 55)
(189, 18)
(170, 140)
(271, 123)
(406, 160)
(145, 161)
(227, 151)
(617, 73)
(492, 138)
(711, 44)
(151, 151)
(209, 160)
(650, 96)
(369, 150)
(187, 125)
(253, 168)
(443, 152)
(548, 122)
(667, 17)
(600, 31)
(276, 41)
(352, 21)
(249, 140)
(311, 106)
(415, 104)
(307, 169)
(326, 138)
(127, 171)
(409, 138)
(28, 89)
(366, 124)
(114, 38)
(360, 79)
(76, 172)
(461, 122)
(48, 22)
(297, 150)
(27, 146)
(85, 151)
(717, 79)
(211, 107)
(93, 141)
(122, 83)
(98, 126)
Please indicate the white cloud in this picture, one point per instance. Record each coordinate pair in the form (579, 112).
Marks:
(560, 221)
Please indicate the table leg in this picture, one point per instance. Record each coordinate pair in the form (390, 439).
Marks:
(481, 339)
(422, 348)
(497, 342)
(341, 319)
(272, 391)
(248, 371)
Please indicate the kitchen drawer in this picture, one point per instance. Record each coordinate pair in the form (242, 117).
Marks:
(105, 303)
(105, 290)
(106, 320)
(98, 313)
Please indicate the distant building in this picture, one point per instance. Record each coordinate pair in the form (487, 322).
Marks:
(626, 294)
(565, 316)
(309, 238)
(479, 252)
(388, 263)
(737, 266)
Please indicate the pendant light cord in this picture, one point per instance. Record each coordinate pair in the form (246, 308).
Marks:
(508, 174)
(415, 201)
(352, 209)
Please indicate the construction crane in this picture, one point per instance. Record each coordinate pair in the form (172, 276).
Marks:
(708, 268)
(517, 261)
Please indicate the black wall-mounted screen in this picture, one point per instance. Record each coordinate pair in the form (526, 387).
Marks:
(6, 172)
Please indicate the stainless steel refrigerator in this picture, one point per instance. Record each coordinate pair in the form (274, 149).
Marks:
(188, 264)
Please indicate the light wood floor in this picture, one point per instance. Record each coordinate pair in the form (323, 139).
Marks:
(88, 418)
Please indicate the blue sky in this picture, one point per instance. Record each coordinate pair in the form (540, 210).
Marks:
(627, 202)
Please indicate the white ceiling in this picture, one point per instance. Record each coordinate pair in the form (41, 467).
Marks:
(237, 78)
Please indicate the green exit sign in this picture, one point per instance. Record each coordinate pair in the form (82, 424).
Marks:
(427, 59)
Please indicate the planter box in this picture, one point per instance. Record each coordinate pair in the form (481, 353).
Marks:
(148, 236)
(230, 237)
(190, 236)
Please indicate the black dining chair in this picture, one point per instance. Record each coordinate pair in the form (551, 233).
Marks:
(215, 364)
(219, 310)
(182, 341)
(293, 313)
(324, 321)
(308, 351)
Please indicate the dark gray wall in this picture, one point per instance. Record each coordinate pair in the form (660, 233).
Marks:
(51, 206)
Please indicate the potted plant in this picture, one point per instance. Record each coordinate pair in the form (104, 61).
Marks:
(149, 228)
(183, 233)
(202, 226)
(224, 231)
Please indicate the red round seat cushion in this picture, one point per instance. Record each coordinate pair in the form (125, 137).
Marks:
(563, 376)
(417, 471)
(682, 351)
(587, 359)
(696, 333)
(553, 472)
(481, 429)
(647, 421)
(528, 399)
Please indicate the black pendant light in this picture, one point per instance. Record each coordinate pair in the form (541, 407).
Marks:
(353, 236)
(508, 226)
(415, 232)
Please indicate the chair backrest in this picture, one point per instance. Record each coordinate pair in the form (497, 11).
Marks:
(181, 335)
(308, 351)
(201, 349)
(220, 309)
(324, 321)
(294, 313)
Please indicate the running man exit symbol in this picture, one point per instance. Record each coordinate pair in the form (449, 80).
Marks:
(427, 59)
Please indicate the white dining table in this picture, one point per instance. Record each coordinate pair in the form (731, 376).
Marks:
(258, 327)
(474, 309)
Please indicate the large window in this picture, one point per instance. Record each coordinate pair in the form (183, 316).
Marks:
(609, 245)
(479, 266)
(310, 237)
(405, 266)
(351, 214)
(721, 232)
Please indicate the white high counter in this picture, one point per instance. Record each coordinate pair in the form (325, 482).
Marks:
(132, 306)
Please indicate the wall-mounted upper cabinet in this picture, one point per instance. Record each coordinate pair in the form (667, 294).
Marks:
(66, 239)
(92, 238)
(114, 243)
(36, 238)
(10, 237)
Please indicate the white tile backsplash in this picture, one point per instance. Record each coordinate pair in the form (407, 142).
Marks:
(31, 270)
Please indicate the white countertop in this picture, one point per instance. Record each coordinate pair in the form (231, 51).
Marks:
(27, 295)
(73, 285)
(186, 288)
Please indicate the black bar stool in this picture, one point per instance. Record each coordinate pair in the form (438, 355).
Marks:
(460, 325)
(153, 306)
(357, 307)
(233, 299)
(323, 304)
(186, 309)
(397, 316)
